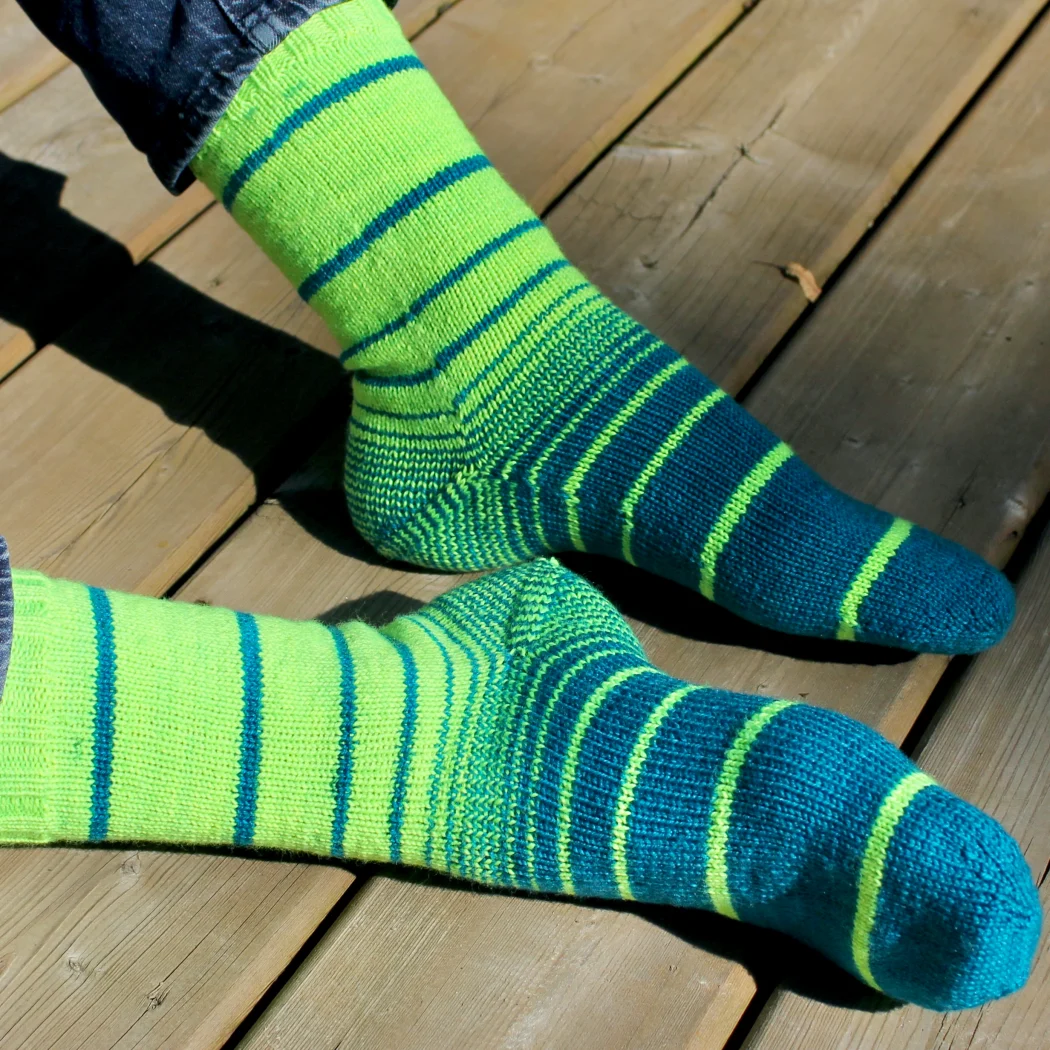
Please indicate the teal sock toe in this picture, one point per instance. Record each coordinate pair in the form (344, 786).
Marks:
(935, 596)
(611, 779)
(957, 892)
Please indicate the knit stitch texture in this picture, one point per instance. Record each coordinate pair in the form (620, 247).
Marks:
(503, 407)
(514, 734)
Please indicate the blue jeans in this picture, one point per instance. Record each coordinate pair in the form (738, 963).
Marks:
(167, 69)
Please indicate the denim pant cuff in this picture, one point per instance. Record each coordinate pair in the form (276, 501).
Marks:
(167, 69)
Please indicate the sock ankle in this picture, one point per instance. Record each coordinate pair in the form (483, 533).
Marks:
(512, 733)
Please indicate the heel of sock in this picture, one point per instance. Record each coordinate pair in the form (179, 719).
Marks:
(437, 515)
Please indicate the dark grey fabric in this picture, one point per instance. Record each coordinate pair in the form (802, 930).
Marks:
(167, 69)
(7, 613)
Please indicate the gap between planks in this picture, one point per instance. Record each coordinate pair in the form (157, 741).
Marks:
(82, 205)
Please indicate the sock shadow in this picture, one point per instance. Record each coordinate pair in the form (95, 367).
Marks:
(256, 391)
(675, 609)
(771, 958)
(260, 393)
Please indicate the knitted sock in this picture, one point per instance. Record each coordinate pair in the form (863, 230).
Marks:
(503, 407)
(514, 734)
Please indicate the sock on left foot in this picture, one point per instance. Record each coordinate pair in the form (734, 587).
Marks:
(503, 407)
(511, 733)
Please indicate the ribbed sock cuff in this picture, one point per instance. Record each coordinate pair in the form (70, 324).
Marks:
(28, 745)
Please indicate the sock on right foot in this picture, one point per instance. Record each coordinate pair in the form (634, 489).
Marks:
(511, 733)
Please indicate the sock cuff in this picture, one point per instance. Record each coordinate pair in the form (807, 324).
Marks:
(28, 738)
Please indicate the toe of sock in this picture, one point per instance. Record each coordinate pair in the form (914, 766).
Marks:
(959, 914)
(936, 596)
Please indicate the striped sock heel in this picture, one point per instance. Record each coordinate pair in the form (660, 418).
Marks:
(503, 407)
(511, 733)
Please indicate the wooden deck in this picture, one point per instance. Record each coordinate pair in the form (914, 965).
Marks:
(171, 414)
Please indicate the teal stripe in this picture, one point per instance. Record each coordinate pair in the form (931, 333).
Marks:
(251, 730)
(439, 759)
(105, 710)
(404, 758)
(309, 110)
(345, 766)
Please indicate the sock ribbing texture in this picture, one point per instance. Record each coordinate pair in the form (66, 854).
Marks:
(511, 733)
(503, 407)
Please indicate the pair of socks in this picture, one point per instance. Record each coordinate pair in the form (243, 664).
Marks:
(513, 733)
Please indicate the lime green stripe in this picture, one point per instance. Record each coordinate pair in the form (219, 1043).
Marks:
(734, 510)
(615, 425)
(540, 753)
(572, 761)
(652, 468)
(873, 866)
(873, 567)
(722, 808)
(629, 786)
(519, 752)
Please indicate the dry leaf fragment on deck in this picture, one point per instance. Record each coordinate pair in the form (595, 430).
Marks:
(807, 282)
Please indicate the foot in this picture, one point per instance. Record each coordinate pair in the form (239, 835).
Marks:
(511, 733)
(503, 408)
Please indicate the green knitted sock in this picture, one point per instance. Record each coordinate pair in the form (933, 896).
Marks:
(512, 733)
(502, 406)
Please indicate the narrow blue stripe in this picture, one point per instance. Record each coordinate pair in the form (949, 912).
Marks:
(345, 766)
(105, 709)
(397, 211)
(636, 345)
(251, 730)
(408, 729)
(310, 109)
(448, 281)
(457, 760)
(559, 327)
(439, 760)
(454, 349)
(390, 414)
(531, 327)
(366, 429)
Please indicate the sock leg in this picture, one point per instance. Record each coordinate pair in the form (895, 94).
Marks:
(511, 733)
(503, 407)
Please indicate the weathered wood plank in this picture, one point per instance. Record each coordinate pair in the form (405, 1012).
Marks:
(811, 111)
(170, 382)
(547, 86)
(991, 745)
(26, 58)
(80, 204)
(416, 15)
(920, 382)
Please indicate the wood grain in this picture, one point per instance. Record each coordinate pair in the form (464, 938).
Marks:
(26, 58)
(416, 15)
(80, 207)
(546, 86)
(813, 111)
(920, 382)
(166, 410)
